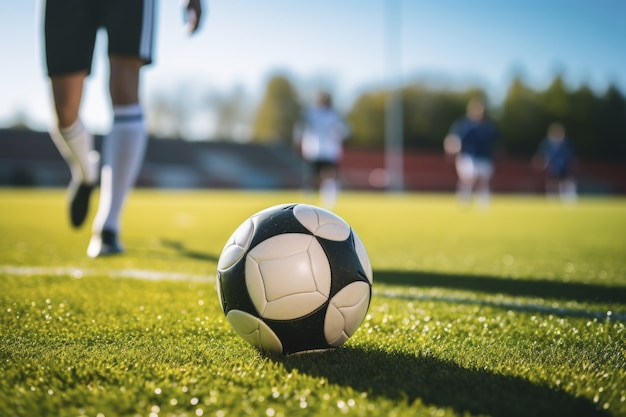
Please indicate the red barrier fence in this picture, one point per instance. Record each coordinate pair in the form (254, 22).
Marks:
(430, 171)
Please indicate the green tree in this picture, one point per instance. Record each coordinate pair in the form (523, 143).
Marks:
(367, 119)
(430, 113)
(278, 112)
(612, 122)
(582, 122)
(521, 119)
(555, 101)
(427, 116)
(595, 124)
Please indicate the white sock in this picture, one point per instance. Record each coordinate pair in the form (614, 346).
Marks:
(329, 190)
(75, 144)
(122, 154)
(483, 196)
(464, 192)
(567, 189)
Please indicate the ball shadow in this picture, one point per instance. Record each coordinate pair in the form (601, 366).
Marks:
(497, 285)
(406, 378)
(172, 249)
(182, 250)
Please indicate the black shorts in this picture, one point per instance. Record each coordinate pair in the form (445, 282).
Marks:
(71, 27)
(559, 173)
(320, 165)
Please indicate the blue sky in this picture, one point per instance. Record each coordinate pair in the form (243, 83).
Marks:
(340, 44)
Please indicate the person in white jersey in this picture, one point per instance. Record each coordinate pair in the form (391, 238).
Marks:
(70, 28)
(320, 137)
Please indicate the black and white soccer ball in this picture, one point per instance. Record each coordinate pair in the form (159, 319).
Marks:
(294, 278)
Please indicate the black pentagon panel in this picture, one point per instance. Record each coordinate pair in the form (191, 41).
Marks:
(345, 265)
(234, 291)
(301, 334)
(274, 223)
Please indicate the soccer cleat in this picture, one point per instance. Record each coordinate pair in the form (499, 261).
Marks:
(103, 244)
(79, 194)
(79, 191)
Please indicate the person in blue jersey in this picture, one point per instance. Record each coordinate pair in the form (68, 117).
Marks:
(70, 28)
(473, 140)
(556, 156)
(319, 138)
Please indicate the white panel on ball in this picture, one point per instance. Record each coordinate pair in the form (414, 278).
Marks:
(254, 331)
(322, 223)
(345, 313)
(292, 285)
(236, 245)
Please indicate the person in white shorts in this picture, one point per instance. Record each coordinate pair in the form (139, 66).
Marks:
(473, 140)
(319, 138)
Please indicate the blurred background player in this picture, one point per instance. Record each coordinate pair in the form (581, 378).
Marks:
(472, 140)
(556, 156)
(319, 139)
(70, 31)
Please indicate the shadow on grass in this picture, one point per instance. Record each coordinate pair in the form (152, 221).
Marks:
(181, 250)
(515, 287)
(407, 378)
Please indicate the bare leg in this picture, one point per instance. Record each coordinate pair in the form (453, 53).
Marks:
(466, 172)
(567, 190)
(67, 91)
(74, 142)
(329, 187)
(71, 138)
(124, 80)
(483, 192)
(552, 188)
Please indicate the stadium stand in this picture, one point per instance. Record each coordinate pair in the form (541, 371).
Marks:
(29, 159)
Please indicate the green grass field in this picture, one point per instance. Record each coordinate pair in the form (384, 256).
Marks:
(518, 311)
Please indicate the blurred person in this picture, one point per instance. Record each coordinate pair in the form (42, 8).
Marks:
(555, 156)
(70, 29)
(472, 140)
(319, 139)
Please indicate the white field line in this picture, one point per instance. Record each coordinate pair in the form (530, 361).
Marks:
(510, 305)
(179, 276)
(114, 273)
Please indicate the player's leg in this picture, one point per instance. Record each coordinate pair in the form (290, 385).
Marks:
(466, 177)
(67, 91)
(329, 185)
(122, 154)
(567, 189)
(75, 143)
(552, 186)
(129, 25)
(483, 192)
(484, 173)
(69, 46)
(316, 176)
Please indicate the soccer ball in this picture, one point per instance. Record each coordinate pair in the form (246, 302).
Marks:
(294, 278)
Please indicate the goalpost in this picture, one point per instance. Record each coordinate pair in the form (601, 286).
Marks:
(394, 164)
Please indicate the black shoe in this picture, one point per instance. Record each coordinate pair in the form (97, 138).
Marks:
(103, 244)
(79, 202)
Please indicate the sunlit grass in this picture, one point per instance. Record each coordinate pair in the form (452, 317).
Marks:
(496, 313)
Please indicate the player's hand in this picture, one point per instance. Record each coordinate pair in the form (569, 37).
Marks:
(193, 14)
(452, 144)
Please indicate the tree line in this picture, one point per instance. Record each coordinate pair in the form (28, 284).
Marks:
(595, 122)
